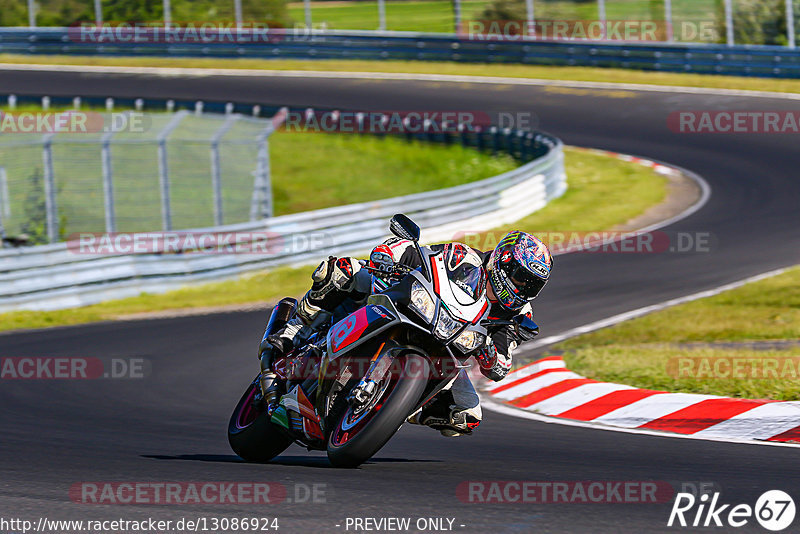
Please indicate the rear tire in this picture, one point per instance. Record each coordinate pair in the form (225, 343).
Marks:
(251, 434)
(395, 408)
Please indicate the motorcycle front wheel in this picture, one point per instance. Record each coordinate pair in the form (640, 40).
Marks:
(357, 436)
(251, 434)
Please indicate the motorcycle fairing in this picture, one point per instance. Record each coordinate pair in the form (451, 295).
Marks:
(296, 413)
(358, 326)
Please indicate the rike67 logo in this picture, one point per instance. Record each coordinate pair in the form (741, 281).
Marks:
(774, 510)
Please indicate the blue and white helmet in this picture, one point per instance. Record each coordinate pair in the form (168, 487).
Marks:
(518, 269)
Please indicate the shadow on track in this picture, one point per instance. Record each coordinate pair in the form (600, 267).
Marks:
(301, 461)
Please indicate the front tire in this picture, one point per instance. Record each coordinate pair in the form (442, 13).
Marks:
(353, 443)
(251, 434)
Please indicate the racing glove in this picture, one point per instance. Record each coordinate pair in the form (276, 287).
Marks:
(332, 274)
(493, 364)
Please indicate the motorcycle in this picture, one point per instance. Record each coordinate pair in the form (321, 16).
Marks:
(352, 383)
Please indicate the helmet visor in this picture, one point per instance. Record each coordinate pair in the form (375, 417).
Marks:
(527, 284)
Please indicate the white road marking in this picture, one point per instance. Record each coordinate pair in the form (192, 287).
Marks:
(615, 319)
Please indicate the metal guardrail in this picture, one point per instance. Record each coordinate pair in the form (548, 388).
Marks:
(61, 275)
(747, 60)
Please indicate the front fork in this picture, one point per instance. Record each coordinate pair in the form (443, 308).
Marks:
(363, 392)
(269, 385)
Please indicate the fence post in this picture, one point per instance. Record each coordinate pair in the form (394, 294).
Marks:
(531, 18)
(237, 9)
(31, 14)
(790, 23)
(98, 12)
(668, 20)
(261, 205)
(457, 15)
(382, 15)
(729, 22)
(601, 14)
(216, 172)
(167, 12)
(5, 201)
(51, 208)
(108, 183)
(3, 204)
(163, 169)
(307, 10)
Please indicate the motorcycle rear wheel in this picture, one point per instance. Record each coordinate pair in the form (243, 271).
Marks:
(251, 434)
(354, 445)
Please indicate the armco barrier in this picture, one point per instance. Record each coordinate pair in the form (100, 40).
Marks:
(743, 60)
(57, 276)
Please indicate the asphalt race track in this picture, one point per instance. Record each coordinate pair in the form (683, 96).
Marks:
(170, 425)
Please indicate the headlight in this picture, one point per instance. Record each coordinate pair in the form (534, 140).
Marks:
(446, 326)
(422, 302)
(470, 340)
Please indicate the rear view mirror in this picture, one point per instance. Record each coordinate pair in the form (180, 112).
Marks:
(404, 228)
(526, 328)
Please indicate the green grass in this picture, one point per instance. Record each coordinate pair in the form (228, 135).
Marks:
(638, 352)
(371, 168)
(587, 74)
(590, 176)
(627, 191)
(419, 16)
(437, 16)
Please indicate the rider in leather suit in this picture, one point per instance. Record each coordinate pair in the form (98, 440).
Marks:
(517, 270)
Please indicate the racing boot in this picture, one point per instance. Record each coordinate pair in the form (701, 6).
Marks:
(449, 419)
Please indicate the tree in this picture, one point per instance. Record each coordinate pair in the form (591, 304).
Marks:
(13, 13)
(757, 21)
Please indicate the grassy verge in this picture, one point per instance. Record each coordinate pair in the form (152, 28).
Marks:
(591, 176)
(588, 74)
(627, 191)
(645, 352)
(346, 169)
(437, 15)
(418, 16)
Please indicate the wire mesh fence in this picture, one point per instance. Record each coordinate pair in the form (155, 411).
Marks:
(71, 171)
(760, 22)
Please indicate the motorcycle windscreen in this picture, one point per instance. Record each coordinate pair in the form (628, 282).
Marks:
(466, 273)
(360, 324)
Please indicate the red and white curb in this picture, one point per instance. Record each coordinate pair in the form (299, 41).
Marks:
(548, 388)
(659, 167)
